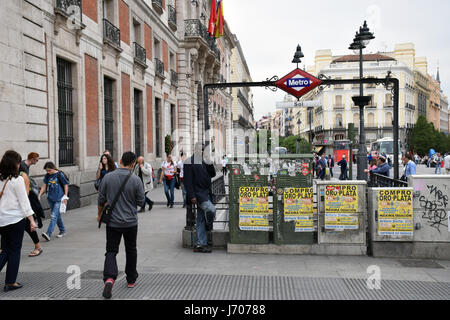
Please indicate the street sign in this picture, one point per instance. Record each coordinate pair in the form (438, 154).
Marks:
(298, 83)
(298, 104)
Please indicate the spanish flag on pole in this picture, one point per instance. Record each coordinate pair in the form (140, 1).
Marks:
(212, 18)
(220, 21)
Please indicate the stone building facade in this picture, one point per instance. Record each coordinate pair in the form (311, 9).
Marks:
(79, 77)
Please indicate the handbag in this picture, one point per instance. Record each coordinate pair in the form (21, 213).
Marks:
(97, 183)
(107, 209)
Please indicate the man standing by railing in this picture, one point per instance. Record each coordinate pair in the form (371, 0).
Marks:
(410, 166)
(197, 181)
(382, 167)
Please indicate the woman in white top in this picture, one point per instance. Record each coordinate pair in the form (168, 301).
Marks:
(14, 209)
(168, 171)
(181, 175)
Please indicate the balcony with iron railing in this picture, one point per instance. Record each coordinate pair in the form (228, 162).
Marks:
(140, 55)
(64, 7)
(174, 78)
(158, 6)
(172, 17)
(159, 68)
(111, 34)
(195, 30)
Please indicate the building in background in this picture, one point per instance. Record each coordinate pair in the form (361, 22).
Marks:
(242, 105)
(79, 77)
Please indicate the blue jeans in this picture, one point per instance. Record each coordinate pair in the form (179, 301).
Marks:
(55, 218)
(169, 185)
(205, 209)
(438, 168)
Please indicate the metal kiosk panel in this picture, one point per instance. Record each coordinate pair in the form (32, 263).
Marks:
(249, 201)
(293, 203)
(342, 212)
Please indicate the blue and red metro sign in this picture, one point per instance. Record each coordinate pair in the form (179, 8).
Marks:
(298, 83)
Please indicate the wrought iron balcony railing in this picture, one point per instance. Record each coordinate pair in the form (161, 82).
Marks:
(174, 78)
(172, 17)
(243, 99)
(195, 29)
(64, 7)
(159, 68)
(158, 6)
(140, 55)
(111, 33)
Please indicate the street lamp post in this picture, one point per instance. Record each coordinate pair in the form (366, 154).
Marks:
(360, 42)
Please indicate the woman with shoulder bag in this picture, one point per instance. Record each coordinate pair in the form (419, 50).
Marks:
(14, 209)
(168, 171)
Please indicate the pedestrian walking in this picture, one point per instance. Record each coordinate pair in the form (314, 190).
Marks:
(32, 233)
(144, 171)
(447, 163)
(125, 192)
(438, 163)
(180, 169)
(323, 167)
(343, 165)
(32, 191)
(331, 164)
(57, 187)
(15, 208)
(224, 166)
(105, 166)
(168, 178)
(198, 172)
(410, 166)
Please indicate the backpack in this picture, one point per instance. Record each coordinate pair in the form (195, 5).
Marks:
(59, 179)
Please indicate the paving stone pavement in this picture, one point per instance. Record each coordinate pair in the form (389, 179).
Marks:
(170, 272)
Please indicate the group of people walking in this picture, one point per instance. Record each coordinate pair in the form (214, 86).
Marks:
(322, 163)
(123, 189)
(21, 210)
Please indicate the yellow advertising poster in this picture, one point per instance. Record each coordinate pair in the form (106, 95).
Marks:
(341, 199)
(299, 207)
(395, 213)
(341, 204)
(254, 208)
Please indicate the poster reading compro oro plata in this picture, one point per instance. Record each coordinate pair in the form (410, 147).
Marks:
(395, 213)
(254, 208)
(299, 207)
(341, 204)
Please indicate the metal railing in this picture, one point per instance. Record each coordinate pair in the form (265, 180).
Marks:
(139, 54)
(174, 78)
(63, 7)
(381, 181)
(158, 6)
(219, 193)
(172, 17)
(111, 33)
(195, 29)
(159, 68)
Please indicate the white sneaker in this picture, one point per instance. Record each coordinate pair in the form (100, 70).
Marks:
(45, 236)
(61, 235)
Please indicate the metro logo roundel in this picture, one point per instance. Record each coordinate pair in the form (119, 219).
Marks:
(298, 83)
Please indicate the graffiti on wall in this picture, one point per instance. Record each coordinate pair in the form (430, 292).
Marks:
(435, 206)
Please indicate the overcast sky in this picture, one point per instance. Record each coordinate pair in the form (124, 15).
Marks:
(269, 31)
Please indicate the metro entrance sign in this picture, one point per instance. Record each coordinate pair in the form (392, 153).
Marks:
(298, 83)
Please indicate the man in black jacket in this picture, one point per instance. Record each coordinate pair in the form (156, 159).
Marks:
(197, 181)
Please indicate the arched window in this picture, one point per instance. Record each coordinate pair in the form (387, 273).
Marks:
(388, 120)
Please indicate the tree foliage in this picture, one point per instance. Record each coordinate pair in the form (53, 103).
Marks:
(290, 143)
(425, 137)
